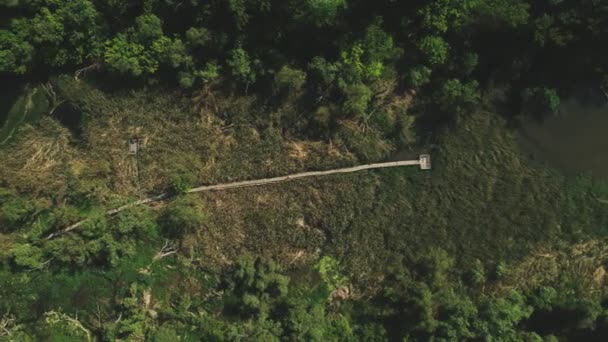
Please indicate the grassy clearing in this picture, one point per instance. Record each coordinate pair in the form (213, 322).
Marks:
(483, 200)
(580, 267)
(175, 141)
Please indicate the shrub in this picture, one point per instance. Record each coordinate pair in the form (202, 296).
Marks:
(289, 81)
(540, 101)
(181, 181)
(138, 221)
(27, 256)
(435, 49)
(418, 76)
(184, 215)
(15, 210)
(357, 97)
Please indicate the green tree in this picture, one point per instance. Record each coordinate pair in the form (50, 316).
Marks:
(239, 11)
(148, 28)
(242, 67)
(501, 271)
(322, 71)
(255, 284)
(304, 322)
(323, 12)
(144, 48)
(357, 98)
(165, 333)
(477, 274)
(197, 36)
(456, 317)
(289, 81)
(15, 53)
(63, 32)
(510, 13)
(15, 209)
(128, 57)
(420, 309)
(134, 321)
(434, 266)
(210, 72)
(500, 316)
(419, 76)
(186, 80)
(366, 59)
(434, 49)
(171, 52)
(540, 101)
(28, 256)
(138, 222)
(379, 45)
(353, 68)
(455, 95)
(330, 271)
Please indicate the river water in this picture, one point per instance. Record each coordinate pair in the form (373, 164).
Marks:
(574, 141)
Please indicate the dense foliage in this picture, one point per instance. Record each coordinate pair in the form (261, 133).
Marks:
(488, 246)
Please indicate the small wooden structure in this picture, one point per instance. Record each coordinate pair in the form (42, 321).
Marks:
(133, 145)
(425, 161)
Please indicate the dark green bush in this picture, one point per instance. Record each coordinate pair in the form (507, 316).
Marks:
(183, 215)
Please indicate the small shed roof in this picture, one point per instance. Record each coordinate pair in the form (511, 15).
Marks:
(425, 161)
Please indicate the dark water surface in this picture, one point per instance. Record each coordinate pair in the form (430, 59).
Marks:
(573, 141)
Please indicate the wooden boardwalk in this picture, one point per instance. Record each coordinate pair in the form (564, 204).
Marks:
(424, 162)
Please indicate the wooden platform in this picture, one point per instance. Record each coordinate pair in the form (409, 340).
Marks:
(425, 162)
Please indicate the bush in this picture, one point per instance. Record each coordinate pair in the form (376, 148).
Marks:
(27, 256)
(184, 215)
(182, 181)
(419, 76)
(137, 221)
(185, 79)
(357, 97)
(289, 81)
(540, 101)
(434, 49)
(457, 96)
(14, 211)
(95, 226)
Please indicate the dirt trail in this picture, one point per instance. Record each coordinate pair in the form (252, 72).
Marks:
(243, 184)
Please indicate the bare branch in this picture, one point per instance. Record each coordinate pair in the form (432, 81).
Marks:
(167, 249)
(86, 69)
(6, 322)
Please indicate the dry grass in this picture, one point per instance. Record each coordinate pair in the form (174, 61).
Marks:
(581, 264)
(177, 137)
(281, 221)
(35, 161)
(298, 151)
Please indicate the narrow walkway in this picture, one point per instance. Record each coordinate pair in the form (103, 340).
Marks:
(424, 163)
